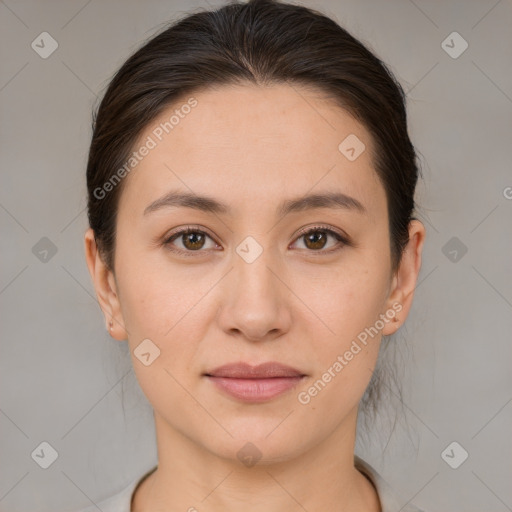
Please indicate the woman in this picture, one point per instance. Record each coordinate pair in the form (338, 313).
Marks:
(251, 190)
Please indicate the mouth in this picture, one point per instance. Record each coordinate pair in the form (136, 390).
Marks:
(255, 384)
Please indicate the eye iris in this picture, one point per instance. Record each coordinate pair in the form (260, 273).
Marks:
(195, 239)
(317, 238)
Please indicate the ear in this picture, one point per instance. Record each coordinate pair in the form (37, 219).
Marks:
(106, 288)
(404, 281)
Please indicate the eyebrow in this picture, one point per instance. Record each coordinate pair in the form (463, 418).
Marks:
(329, 199)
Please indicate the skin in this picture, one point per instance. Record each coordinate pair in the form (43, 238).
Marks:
(252, 147)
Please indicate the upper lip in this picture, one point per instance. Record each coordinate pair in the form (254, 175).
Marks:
(261, 371)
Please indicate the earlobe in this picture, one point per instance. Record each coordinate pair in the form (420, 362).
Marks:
(394, 306)
(105, 287)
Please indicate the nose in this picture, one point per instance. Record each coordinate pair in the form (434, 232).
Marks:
(255, 301)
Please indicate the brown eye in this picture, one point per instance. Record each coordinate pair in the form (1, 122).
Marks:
(191, 240)
(316, 239)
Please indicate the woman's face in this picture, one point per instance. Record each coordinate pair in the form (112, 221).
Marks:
(247, 285)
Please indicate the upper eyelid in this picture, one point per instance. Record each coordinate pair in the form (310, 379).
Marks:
(321, 227)
(184, 230)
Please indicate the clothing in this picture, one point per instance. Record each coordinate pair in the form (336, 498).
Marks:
(121, 502)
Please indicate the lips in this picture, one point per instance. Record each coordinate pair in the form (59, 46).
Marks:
(255, 384)
(262, 371)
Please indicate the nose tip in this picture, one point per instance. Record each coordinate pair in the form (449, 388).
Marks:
(254, 337)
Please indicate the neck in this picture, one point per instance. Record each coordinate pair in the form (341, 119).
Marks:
(191, 478)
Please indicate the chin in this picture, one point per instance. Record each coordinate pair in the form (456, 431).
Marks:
(259, 443)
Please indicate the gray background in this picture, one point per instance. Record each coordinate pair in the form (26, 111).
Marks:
(66, 382)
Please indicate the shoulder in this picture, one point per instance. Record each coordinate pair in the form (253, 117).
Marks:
(390, 500)
(121, 501)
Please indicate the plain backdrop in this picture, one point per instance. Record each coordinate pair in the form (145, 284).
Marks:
(65, 382)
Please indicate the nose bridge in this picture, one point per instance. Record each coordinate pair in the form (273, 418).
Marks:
(252, 275)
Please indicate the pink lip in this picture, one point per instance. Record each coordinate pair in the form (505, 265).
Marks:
(255, 383)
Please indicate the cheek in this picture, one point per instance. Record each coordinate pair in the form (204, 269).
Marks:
(160, 309)
(346, 301)
(345, 360)
(155, 295)
(168, 307)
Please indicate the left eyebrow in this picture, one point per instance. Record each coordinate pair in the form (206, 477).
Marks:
(328, 199)
(333, 200)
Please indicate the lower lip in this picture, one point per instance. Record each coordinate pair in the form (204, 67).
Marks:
(255, 390)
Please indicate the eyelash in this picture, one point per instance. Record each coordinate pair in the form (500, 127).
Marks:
(191, 229)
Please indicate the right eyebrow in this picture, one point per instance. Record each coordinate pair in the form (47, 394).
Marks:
(175, 198)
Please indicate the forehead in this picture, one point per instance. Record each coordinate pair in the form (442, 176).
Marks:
(248, 143)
